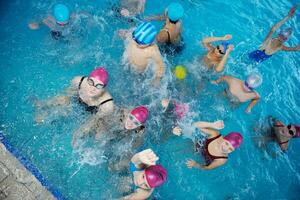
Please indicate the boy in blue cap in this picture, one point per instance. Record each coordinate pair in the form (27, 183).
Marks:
(216, 57)
(56, 22)
(60, 22)
(141, 50)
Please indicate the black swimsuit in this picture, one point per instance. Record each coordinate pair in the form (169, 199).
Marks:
(91, 109)
(56, 34)
(171, 48)
(209, 158)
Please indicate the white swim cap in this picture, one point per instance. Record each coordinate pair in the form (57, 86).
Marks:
(253, 81)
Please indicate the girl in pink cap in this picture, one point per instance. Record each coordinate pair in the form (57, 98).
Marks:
(147, 175)
(127, 130)
(217, 147)
(125, 125)
(89, 92)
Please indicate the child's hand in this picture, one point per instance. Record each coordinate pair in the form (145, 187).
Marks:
(219, 124)
(227, 37)
(125, 12)
(177, 131)
(34, 26)
(165, 103)
(147, 157)
(191, 163)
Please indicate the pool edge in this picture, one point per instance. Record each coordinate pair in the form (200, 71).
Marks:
(30, 168)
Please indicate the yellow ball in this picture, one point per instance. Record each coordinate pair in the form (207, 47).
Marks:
(180, 72)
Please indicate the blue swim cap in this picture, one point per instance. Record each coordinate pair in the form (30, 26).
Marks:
(225, 45)
(175, 11)
(61, 13)
(144, 34)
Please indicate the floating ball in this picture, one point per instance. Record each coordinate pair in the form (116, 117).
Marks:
(180, 72)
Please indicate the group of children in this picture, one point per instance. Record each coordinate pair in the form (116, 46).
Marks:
(144, 47)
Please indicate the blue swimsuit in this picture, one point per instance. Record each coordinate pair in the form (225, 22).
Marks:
(259, 55)
(133, 168)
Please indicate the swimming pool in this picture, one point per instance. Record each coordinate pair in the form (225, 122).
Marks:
(34, 66)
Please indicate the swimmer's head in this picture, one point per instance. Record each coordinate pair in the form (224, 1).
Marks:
(221, 48)
(231, 142)
(144, 34)
(285, 34)
(136, 118)
(61, 14)
(291, 130)
(175, 12)
(100, 73)
(253, 81)
(156, 175)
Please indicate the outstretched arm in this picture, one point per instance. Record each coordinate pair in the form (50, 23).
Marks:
(209, 127)
(206, 42)
(60, 100)
(155, 18)
(216, 163)
(49, 21)
(279, 24)
(296, 48)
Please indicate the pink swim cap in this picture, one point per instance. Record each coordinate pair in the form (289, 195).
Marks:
(140, 113)
(181, 109)
(297, 127)
(234, 138)
(156, 175)
(100, 74)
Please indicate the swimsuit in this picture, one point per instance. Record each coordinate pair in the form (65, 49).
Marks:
(171, 48)
(91, 109)
(209, 158)
(259, 55)
(133, 168)
(231, 97)
(56, 34)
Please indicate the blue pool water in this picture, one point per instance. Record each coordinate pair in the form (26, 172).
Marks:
(34, 66)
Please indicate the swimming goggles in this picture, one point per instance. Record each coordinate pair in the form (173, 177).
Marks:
(91, 83)
(134, 120)
(220, 51)
(292, 133)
